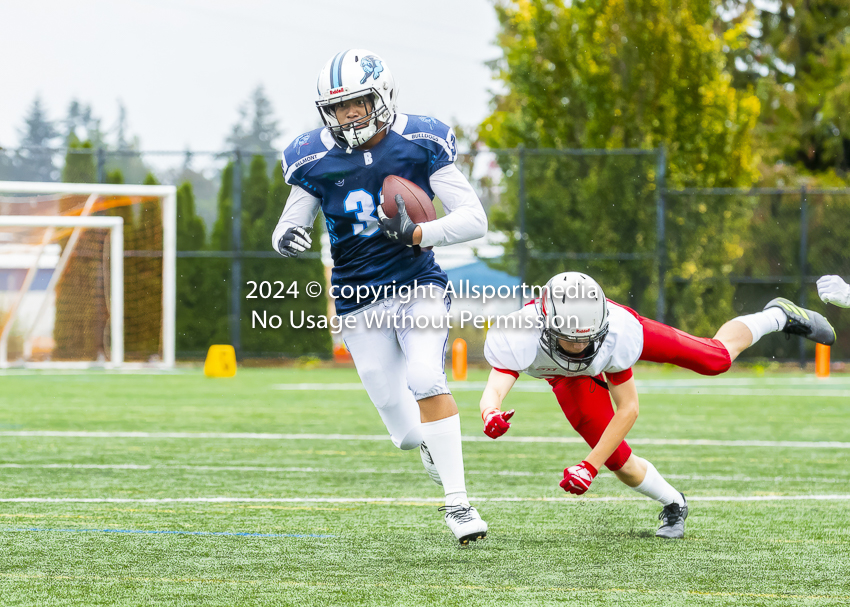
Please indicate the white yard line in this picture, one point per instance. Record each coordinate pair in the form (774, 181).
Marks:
(730, 387)
(414, 471)
(684, 442)
(401, 500)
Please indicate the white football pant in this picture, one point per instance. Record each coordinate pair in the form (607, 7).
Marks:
(401, 357)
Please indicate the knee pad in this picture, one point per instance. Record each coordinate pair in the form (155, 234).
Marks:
(619, 458)
(412, 440)
(426, 382)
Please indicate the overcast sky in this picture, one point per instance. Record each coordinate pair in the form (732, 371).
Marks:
(182, 68)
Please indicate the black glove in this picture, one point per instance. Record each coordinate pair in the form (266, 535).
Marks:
(399, 228)
(294, 241)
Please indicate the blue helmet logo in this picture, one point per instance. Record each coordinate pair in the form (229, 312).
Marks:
(300, 142)
(372, 67)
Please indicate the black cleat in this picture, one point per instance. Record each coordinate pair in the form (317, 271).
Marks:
(673, 520)
(803, 322)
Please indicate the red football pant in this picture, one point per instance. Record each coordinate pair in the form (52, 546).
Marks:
(664, 344)
(587, 404)
(588, 408)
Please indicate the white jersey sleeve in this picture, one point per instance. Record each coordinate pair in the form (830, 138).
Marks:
(624, 343)
(300, 210)
(465, 217)
(512, 344)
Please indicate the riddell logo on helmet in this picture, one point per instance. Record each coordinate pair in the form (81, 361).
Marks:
(584, 330)
(335, 91)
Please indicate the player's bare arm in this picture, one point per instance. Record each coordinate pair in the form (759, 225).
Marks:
(497, 388)
(625, 399)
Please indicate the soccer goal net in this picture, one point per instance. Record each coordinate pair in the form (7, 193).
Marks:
(87, 275)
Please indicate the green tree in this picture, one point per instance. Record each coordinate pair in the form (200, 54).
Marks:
(204, 188)
(222, 234)
(613, 74)
(262, 204)
(797, 55)
(129, 160)
(81, 123)
(255, 206)
(79, 163)
(143, 324)
(33, 160)
(193, 310)
(82, 311)
(257, 128)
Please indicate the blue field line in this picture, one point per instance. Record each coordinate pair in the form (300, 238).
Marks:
(169, 532)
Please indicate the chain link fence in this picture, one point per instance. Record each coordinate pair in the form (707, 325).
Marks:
(692, 258)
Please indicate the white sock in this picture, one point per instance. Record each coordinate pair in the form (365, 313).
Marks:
(654, 486)
(443, 440)
(764, 322)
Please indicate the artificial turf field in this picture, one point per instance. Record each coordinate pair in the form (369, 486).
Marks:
(182, 490)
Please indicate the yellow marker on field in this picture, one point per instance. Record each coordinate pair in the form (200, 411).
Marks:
(221, 361)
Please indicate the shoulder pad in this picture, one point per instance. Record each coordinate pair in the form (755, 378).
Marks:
(510, 344)
(429, 133)
(305, 150)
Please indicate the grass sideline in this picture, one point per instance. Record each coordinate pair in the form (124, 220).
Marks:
(339, 540)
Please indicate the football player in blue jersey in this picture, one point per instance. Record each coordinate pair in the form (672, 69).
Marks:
(340, 169)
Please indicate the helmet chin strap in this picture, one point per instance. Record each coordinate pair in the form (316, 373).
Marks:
(352, 135)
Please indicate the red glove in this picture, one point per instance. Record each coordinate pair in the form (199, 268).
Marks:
(577, 478)
(496, 423)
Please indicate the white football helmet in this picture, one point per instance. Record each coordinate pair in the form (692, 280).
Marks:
(351, 74)
(575, 309)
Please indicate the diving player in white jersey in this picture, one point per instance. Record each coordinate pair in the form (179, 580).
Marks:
(340, 169)
(572, 335)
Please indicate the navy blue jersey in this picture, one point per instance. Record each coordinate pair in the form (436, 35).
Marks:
(349, 186)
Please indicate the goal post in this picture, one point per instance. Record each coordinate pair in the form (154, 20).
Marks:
(115, 225)
(31, 212)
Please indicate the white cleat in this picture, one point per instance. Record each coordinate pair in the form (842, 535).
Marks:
(465, 523)
(428, 462)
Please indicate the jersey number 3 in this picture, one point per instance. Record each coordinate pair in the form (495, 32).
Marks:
(362, 204)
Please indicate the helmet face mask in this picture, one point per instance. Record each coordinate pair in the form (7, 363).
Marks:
(359, 131)
(350, 75)
(575, 310)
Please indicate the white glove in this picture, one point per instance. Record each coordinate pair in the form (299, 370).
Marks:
(832, 289)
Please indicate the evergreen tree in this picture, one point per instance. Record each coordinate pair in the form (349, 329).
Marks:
(262, 204)
(79, 163)
(222, 235)
(129, 161)
(219, 270)
(82, 311)
(81, 124)
(255, 206)
(204, 188)
(191, 234)
(256, 130)
(34, 160)
(193, 310)
(145, 329)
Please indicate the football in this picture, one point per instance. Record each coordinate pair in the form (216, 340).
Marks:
(416, 200)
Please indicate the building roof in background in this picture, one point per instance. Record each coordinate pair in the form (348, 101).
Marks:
(479, 273)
